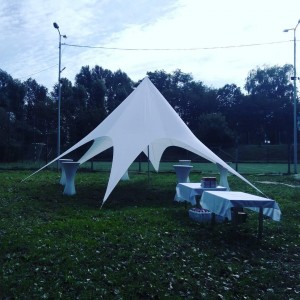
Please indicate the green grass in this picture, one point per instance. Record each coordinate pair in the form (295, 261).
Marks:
(140, 245)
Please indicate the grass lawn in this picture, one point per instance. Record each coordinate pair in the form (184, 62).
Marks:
(140, 245)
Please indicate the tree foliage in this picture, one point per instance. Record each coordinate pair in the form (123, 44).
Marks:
(213, 130)
(270, 102)
(28, 112)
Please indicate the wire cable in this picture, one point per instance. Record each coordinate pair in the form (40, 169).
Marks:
(159, 49)
(176, 49)
(28, 76)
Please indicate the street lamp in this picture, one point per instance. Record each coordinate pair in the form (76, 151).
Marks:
(59, 86)
(294, 78)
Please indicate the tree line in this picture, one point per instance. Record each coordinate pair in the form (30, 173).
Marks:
(261, 112)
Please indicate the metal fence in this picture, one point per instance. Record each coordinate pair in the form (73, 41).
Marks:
(246, 159)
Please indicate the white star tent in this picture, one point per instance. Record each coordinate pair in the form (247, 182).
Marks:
(144, 121)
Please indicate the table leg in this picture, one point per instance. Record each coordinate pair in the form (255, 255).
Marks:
(213, 219)
(234, 216)
(260, 222)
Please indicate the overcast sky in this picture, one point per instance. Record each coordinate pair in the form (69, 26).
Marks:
(218, 31)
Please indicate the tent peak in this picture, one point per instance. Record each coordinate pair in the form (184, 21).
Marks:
(146, 78)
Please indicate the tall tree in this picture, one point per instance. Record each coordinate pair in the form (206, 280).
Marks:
(230, 99)
(39, 112)
(91, 88)
(189, 98)
(11, 95)
(271, 93)
(69, 111)
(213, 130)
(12, 114)
(200, 100)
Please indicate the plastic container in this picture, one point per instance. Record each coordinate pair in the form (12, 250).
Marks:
(203, 215)
(200, 215)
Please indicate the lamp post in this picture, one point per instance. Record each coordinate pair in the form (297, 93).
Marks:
(59, 86)
(294, 78)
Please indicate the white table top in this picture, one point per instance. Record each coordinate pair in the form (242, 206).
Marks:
(241, 196)
(221, 202)
(189, 191)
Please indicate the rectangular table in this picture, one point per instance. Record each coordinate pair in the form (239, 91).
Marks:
(220, 203)
(189, 191)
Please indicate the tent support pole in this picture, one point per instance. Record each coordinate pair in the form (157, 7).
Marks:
(148, 164)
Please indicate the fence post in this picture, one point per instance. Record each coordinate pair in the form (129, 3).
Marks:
(236, 156)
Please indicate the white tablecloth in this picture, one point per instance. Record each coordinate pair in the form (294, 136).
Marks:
(70, 170)
(182, 172)
(220, 203)
(189, 191)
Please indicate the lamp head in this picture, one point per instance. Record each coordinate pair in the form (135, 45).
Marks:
(286, 30)
(55, 25)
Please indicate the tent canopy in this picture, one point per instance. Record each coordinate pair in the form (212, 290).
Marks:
(144, 119)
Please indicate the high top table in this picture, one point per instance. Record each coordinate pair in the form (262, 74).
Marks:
(221, 203)
(182, 172)
(223, 176)
(185, 162)
(70, 170)
(62, 180)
